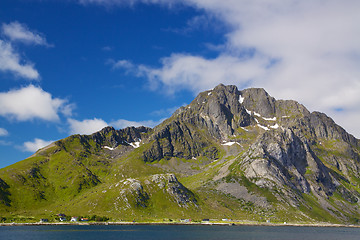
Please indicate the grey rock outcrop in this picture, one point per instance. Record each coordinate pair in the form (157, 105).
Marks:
(141, 191)
(280, 158)
(170, 184)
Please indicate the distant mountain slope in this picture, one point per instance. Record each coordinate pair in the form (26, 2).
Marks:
(228, 154)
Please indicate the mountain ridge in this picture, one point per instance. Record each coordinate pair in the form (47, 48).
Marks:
(229, 153)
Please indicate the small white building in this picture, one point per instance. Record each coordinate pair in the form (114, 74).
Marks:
(185, 220)
(74, 219)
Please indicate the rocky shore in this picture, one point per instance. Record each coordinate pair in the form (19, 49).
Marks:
(183, 223)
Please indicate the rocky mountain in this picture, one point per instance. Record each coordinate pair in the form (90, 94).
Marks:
(230, 153)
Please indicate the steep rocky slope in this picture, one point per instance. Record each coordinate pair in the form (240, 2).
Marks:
(228, 154)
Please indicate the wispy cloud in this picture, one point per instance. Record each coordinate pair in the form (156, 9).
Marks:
(32, 102)
(108, 3)
(107, 48)
(204, 22)
(3, 132)
(5, 143)
(36, 144)
(10, 61)
(16, 31)
(166, 112)
(122, 64)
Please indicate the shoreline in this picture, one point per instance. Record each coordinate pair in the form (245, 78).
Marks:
(180, 223)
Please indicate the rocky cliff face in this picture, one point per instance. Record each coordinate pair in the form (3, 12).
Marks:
(113, 138)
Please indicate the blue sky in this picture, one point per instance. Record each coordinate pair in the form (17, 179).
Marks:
(76, 66)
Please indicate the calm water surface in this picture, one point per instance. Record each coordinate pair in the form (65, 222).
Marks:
(159, 232)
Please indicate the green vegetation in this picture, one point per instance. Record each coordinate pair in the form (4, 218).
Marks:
(314, 210)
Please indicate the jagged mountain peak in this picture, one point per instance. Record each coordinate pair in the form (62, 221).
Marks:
(224, 112)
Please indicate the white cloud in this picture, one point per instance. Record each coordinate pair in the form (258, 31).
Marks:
(35, 145)
(10, 62)
(122, 123)
(197, 73)
(16, 31)
(87, 126)
(3, 132)
(31, 102)
(67, 109)
(122, 64)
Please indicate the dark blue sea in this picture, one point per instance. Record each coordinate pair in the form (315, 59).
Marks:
(178, 232)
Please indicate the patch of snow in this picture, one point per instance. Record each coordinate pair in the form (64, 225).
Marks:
(257, 114)
(249, 112)
(244, 129)
(263, 127)
(136, 144)
(189, 107)
(270, 119)
(257, 121)
(209, 93)
(110, 148)
(241, 99)
(275, 126)
(204, 102)
(285, 116)
(230, 143)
